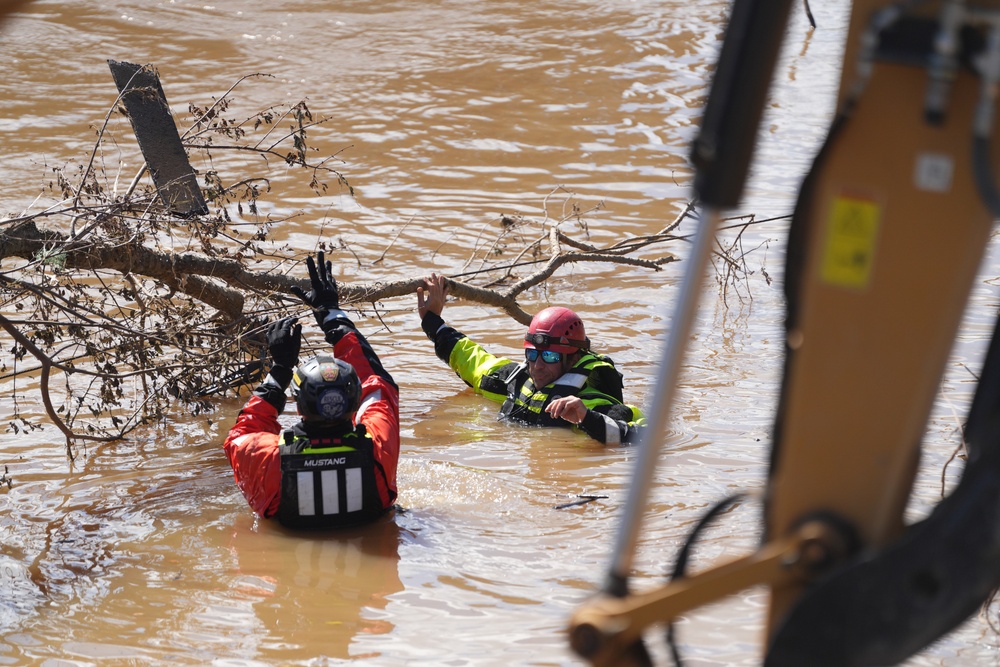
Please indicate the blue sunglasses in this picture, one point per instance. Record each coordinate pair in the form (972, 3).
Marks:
(548, 356)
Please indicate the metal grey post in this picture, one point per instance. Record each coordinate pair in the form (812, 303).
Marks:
(680, 325)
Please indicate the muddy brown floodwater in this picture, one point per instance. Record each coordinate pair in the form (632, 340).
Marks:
(446, 115)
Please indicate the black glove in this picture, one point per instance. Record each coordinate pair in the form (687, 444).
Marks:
(284, 338)
(323, 296)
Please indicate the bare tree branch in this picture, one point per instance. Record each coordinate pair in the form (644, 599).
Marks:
(44, 387)
(137, 310)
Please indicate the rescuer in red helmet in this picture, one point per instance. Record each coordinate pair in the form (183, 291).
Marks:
(561, 382)
(337, 465)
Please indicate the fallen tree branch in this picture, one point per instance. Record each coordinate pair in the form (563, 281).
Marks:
(138, 310)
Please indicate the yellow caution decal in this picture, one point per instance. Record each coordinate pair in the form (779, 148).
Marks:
(850, 242)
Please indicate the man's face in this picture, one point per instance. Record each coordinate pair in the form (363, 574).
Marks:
(543, 372)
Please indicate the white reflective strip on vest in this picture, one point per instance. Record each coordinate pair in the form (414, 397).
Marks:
(573, 379)
(329, 488)
(612, 434)
(354, 498)
(328, 483)
(371, 398)
(306, 493)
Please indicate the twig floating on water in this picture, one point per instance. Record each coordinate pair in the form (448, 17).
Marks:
(583, 500)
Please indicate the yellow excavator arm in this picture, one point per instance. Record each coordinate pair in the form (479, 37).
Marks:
(889, 229)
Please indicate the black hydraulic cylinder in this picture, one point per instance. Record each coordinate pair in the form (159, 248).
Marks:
(723, 150)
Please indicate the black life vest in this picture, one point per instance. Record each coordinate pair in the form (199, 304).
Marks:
(328, 482)
(592, 377)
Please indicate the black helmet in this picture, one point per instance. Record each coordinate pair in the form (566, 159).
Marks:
(326, 389)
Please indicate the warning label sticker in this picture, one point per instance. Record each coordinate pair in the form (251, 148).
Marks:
(850, 242)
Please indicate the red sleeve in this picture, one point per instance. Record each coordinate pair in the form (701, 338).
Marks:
(379, 412)
(252, 449)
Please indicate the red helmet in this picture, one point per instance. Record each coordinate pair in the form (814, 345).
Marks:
(558, 329)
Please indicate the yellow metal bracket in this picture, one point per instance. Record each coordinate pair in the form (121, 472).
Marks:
(605, 628)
